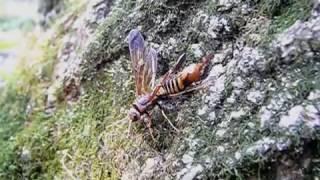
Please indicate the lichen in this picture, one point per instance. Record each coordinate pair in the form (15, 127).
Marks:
(236, 127)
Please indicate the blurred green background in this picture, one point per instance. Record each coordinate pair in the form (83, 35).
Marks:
(16, 17)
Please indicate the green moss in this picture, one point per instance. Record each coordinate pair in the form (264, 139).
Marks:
(273, 7)
(211, 7)
(109, 39)
(84, 140)
(22, 97)
(80, 142)
(24, 126)
(284, 14)
(12, 117)
(89, 139)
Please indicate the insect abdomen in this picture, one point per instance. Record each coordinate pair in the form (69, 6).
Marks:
(172, 86)
(184, 79)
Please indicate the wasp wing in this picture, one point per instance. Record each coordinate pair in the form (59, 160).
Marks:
(144, 62)
(150, 69)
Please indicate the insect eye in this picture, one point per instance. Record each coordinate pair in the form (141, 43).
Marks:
(134, 116)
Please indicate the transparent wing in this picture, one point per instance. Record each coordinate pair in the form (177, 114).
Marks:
(150, 69)
(136, 47)
(144, 62)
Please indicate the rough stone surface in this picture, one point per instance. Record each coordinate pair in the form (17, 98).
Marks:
(258, 115)
(67, 69)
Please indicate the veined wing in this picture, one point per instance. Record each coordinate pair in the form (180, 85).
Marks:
(150, 69)
(144, 62)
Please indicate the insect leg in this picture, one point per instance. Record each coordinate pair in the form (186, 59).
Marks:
(129, 127)
(178, 64)
(149, 124)
(165, 116)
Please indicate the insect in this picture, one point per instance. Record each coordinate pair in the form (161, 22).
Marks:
(173, 83)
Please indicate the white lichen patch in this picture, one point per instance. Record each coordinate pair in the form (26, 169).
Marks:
(216, 91)
(312, 116)
(230, 161)
(190, 173)
(231, 67)
(25, 154)
(188, 158)
(231, 99)
(237, 155)
(228, 2)
(224, 124)
(251, 125)
(245, 9)
(224, 22)
(225, 5)
(314, 95)
(283, 144)
(255, 97)
(194, 143)
(196, 50)
(203, 110)
(220, 149)
(293, 118)
(260, 146)
(200, 18)
(214, 22)
(221, 132)
(237, 114)
(218, 24)
(238, 83)
(216, 71)
(172, 41)
(219, 57)
(277, 103)
(150, 166)
(212, 116)
(250, 60)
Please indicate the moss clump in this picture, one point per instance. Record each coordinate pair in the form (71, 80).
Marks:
(274, 8)
(22, 97)
(84, 141)
(109, 40)
(22, 105)
(12, 117)
(284, 14)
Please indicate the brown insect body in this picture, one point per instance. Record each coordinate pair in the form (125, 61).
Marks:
(179, 83)
(141, 106)
(184, 79)
(144, 65)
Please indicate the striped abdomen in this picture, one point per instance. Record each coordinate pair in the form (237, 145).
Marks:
(179, 83)
(189, 75)
(172, 86)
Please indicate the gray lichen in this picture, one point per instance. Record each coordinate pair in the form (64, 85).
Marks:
(259, 113)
